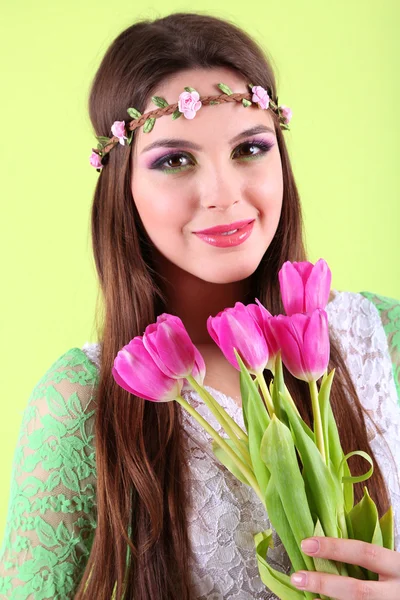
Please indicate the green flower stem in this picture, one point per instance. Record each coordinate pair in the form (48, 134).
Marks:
(319, 436)
(290, 399)
(266, 395)
(227, 420)
(246, 471)
(224, 419)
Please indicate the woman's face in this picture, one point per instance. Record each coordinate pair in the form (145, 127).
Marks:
(212, 176)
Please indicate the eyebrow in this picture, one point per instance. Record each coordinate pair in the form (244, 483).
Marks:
(176, 143)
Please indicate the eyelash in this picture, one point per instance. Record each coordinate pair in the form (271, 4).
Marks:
(263, 146)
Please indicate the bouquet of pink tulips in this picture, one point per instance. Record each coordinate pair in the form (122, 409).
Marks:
(316, 499)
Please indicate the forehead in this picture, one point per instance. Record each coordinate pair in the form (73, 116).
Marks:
(221, 121)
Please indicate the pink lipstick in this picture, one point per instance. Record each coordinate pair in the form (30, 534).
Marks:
(225, 236)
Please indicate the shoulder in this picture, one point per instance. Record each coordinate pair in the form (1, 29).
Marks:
(62, 401)
(367, 325)
(389, 314)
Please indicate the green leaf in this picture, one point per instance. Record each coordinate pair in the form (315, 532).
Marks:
(324, 487)
(277, 516)
(70, 479)
(63, 534)
(149, 124)
(45, 533)
(324, 565)
(257, 421)
(55, 402)
(160, 102)
(387, 527)
(103, 140)
(246, 102)
(227, 461)
(278, 453)
(323, 400)
(276, 581)
(366, 525)
(225, 89)
(214, 102)
(135, 114)
(189, 89)
(176, 114)
(360, 477)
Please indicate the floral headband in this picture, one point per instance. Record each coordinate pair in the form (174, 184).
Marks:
(188, 104)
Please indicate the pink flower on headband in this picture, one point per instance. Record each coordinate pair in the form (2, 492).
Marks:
(189, 104)
(260, 95)
(286, 113)
(118, 129)
(95, 160)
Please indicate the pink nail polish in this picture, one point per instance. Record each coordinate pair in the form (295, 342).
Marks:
(310, 545)
(299, 579)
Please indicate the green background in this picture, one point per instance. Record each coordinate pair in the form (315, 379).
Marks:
(337, 67)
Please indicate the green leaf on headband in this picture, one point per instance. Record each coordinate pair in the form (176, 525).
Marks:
(224, 88)
(214, 102)
(189, 89)
(160, 102)
(246, 102)
(130, 136)
(103, 139)
(176, 114)
(250, 86)
(135, 114)
(149, 124)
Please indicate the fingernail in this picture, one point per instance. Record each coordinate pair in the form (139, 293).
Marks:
(299, 579)
(311, 545)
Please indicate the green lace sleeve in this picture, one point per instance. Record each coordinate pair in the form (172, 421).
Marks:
(51, 516)
(389, 310)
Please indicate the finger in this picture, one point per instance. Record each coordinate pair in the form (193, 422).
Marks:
(380, 560)
(343, 588)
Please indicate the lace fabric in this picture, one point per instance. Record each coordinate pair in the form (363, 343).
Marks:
(52, 507)
(51, 513)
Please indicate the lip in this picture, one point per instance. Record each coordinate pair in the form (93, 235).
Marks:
(224, 228)
(227, 241)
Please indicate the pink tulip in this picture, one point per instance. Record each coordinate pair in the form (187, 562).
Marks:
(304, 343)
(262, 317)
(236, 328)
(170, 346)
(199, 371)
(136, 372)
(304, 286)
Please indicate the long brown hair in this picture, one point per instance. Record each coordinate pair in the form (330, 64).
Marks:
(141, 534)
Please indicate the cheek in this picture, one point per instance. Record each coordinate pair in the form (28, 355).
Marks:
(160, 209)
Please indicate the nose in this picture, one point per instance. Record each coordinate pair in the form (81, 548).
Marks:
(220, 190)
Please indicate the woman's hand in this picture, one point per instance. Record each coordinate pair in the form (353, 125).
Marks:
(375, 558)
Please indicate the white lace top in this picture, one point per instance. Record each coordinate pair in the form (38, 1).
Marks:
(226, 513)
(51, 519)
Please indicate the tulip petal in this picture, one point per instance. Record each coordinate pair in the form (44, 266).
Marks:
(316, 344)
(292, 288)
(318, 286)
(136, 368)
(170, 346)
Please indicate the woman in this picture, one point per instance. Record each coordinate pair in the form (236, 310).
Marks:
(108, 488)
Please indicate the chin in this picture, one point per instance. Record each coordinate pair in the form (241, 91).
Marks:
(224, 274)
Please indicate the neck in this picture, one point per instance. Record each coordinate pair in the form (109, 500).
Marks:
(193, 300)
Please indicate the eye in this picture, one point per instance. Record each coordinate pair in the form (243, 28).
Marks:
(179, 157)
(263, 146)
